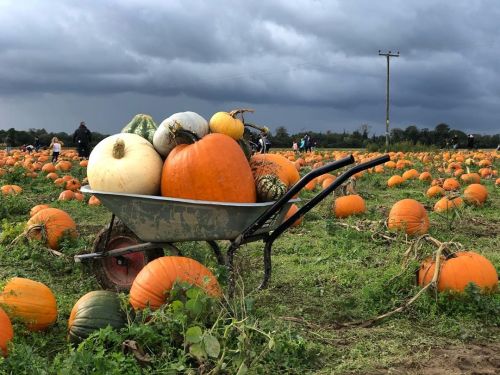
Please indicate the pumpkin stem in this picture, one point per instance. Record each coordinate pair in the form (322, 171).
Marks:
(238, 111)
(176, 131)
(119, 149)
(263, 129)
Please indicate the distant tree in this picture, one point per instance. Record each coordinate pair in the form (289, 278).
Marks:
(411, 134)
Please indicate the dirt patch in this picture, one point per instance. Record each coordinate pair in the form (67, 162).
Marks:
(472, 359)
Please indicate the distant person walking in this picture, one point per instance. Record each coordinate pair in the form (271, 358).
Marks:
(302, 145)
(37, 144)
(307, 143)
(295, 147)
(56, 146)
(82, 137)
(470, 141)
(8, 144)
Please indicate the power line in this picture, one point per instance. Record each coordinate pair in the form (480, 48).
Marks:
(388, 55)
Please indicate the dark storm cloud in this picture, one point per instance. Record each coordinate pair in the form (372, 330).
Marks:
(315, 62)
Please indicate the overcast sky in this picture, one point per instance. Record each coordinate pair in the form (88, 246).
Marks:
(305, 65)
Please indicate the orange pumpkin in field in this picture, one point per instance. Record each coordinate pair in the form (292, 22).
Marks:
(291, 211)
(395, 181)
(471, 178)
(410, 174)
(349, 205)
(50, 225)
(6, 332)
(451, 184)
(213, 168)
(38, 208)
(66, 195)
(410, 216)
(425, 176)
(458, 270)
(476, 194)
(153, 283)
(435, 191)
(94, 201)
(73, 184)
(31, 302)
(11, 189)
(445, 204)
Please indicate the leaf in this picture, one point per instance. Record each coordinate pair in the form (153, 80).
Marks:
(243, 369)
(194, 306)
(194, 335)
(193, 293)
(271, 344)
(177, 306)
(197, 351)
(212, 346)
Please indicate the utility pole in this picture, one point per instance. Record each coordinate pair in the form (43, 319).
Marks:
(388, 55)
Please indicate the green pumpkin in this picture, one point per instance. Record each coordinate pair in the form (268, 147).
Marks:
(142, 125)
(269, 188)
(93, 311)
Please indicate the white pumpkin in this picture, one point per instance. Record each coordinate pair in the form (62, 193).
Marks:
(165, 140)
(125, 163)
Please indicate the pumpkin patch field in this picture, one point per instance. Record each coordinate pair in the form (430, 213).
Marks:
(395, 272)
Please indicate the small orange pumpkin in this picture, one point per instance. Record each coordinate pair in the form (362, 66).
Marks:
(291, 211)
(410, 216)
(475, 194)
(50, 225)
(451, 184)
(156, 279)
(349, 205)
(445, 204)
(395, 181)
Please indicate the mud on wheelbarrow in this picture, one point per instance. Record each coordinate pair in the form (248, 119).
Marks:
(149, 224)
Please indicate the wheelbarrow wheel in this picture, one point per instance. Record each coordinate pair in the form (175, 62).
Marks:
(118, 273)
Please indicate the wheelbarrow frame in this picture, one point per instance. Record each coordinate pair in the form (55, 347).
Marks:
(256, 230)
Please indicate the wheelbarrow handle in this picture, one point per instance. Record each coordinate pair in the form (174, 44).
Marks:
(320, 196)
(294, 191)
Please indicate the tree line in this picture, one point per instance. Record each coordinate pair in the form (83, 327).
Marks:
(440, 137)
(19, 138)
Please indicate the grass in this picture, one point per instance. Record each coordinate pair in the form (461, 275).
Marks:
(324, 274)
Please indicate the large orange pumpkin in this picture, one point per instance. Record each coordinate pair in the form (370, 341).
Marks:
(50, 225)
(410, 216)
(476, 194)
(458, 270)
(30, 301)
(156, 279)
(6, 332)
(349, 205)
(212, 169)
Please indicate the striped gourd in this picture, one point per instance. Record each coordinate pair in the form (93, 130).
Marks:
(142, 125)
(269, 188)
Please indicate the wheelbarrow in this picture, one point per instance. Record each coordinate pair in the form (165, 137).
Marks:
(149, 224)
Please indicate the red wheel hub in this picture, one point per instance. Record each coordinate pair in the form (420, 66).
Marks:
(123, 269)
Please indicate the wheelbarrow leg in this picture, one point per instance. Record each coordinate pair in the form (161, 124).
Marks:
(267, 265)
(218, 254)
(230, 265)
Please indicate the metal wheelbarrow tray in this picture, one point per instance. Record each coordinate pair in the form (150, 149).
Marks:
(161, 219)
(152, 223)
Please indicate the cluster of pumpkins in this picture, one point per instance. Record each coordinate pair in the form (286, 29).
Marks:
(33, 304)
(188, 157)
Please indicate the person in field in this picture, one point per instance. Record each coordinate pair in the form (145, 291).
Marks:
(295, 147)
(82, 137)
(56, 146)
